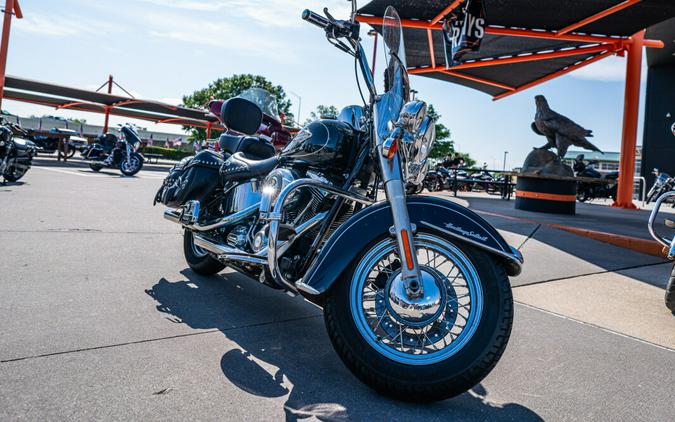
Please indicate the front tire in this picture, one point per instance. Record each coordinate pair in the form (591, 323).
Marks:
(440, 370)
(198, 259)
(131, 166)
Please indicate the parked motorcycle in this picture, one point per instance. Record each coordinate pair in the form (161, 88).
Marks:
(483, 180)
(271, 128)
(669, 244)
(415, 290)
(113, 152)
(662, 184)
(587, 191)
(47, 143)
(16, 154)
(443, 178)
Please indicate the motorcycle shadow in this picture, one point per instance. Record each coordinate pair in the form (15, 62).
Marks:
(289, 355)
(5, 184)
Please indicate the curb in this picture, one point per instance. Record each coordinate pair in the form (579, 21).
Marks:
(645, 246)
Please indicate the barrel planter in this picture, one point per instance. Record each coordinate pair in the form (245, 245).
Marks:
(544, 194)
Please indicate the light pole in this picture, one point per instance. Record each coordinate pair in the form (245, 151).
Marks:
(299, 105)
(505, 153)
(373, 33)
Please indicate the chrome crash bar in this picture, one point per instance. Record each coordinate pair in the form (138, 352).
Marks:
(668, 243)
(175, 215)
(276, 215)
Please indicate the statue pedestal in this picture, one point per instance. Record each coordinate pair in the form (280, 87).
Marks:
(550, 194)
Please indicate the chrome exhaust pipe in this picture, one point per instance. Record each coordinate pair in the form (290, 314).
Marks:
(225, 252)
(174, 215)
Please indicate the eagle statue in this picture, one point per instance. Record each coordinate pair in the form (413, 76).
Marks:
(560, 131)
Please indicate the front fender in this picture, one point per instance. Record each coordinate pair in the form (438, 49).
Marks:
(427, 213)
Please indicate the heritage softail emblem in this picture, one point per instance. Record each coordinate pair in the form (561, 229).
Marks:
(463, 232)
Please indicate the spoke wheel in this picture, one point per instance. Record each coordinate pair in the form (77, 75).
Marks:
(428, 347)
(424, 330)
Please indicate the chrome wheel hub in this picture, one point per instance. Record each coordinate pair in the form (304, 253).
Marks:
(411, 309)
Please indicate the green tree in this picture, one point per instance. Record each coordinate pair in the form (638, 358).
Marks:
(322, 112)
(232, 86)
(444, 143)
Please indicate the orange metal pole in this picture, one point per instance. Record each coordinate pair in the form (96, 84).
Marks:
(631, 107)
(445, 12)
(4, 43)
(597, 16)
(431, 48)
(107, 108)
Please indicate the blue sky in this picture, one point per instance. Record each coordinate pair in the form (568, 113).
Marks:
(163, 49)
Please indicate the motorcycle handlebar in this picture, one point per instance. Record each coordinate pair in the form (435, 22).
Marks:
(315, 19)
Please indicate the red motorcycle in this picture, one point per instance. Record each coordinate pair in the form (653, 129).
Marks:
(272, 127)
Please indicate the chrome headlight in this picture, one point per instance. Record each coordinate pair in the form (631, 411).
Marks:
(412, 115)
(416, 149)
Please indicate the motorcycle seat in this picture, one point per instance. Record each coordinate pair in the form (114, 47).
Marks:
(238, 168)
(250, 146)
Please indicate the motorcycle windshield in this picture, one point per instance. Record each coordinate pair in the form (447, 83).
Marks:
(263, 99)
(396, 85)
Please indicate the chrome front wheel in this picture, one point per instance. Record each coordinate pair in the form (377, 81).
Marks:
(422, 348)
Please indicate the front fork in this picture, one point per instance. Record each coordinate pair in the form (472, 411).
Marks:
(394, 187)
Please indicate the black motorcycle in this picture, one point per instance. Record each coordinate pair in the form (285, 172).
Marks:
(16, 153)
(483, 180)
(443, 178)
(113, 152)
(587, 190)
(415, 290)
(668, 244)
(662, 184)
(49, 144)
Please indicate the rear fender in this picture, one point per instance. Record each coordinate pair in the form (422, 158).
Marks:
(439, 216)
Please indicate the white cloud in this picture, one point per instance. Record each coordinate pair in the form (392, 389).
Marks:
(207, 6)
(610, 69)
(64, 25)
(48, 26)
(215, 35)
(279, 13)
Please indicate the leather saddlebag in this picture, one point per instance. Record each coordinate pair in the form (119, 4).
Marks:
(194, 178)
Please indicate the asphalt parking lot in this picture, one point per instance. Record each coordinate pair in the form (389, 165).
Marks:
(102, 320)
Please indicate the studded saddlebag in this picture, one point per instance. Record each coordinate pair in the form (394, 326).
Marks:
(194, 178)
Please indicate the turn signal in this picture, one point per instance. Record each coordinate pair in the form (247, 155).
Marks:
(406, 249)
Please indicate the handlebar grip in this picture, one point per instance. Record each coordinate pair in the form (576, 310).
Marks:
(315, 19)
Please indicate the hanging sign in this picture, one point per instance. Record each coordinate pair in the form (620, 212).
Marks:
(463, 31)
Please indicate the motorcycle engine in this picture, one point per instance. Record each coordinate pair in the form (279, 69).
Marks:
(300, 206)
